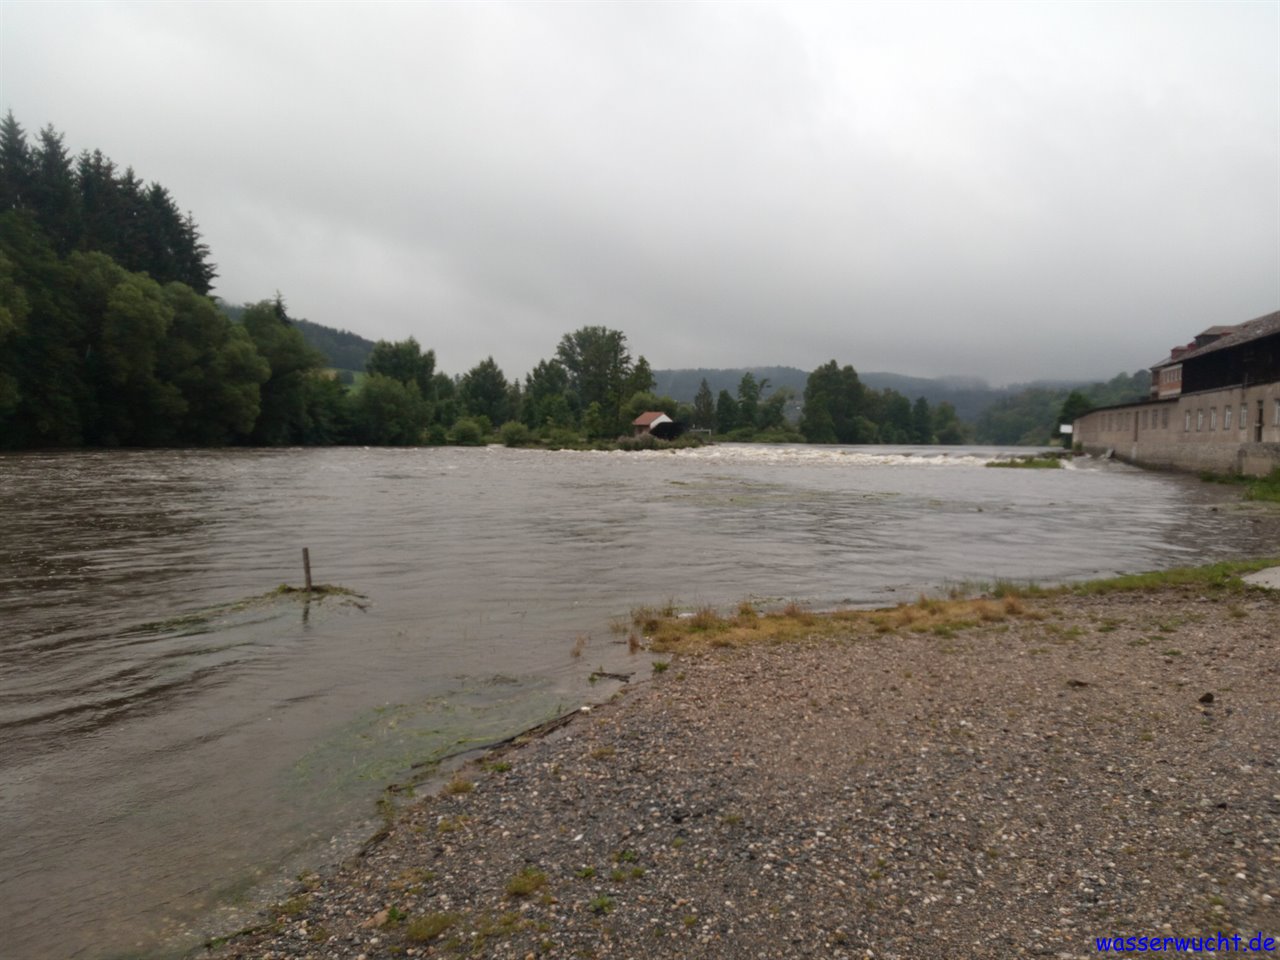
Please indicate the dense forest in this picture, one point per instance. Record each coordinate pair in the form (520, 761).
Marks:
(1028, 413)
(109, 337)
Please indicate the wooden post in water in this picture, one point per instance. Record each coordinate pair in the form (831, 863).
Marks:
(306, 566)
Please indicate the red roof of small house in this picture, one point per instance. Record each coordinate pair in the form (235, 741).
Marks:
(649, 418)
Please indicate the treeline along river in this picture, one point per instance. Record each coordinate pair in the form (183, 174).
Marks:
(173, 735)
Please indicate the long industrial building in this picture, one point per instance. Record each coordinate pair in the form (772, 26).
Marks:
(1214, 406)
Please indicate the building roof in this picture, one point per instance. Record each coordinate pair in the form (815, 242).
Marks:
(649, 418)
(1220, 330)
(1254, 329)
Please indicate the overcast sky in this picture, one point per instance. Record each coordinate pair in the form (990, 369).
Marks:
(1001, 190)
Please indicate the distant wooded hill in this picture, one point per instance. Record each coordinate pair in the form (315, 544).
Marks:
(970, 396)
(1019, 413)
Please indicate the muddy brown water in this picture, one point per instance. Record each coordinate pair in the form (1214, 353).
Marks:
(175, 741)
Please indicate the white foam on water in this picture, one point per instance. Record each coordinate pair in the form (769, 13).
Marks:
(818, 455)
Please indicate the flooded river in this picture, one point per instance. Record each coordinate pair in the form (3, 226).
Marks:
(173, 734)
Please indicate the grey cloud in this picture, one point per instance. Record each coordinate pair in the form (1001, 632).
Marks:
(1010, 191)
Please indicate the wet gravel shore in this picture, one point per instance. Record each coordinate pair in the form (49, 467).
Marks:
(1096, 766)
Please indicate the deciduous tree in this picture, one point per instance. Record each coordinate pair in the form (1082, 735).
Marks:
(283, 414)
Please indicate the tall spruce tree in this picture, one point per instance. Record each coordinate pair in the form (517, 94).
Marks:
(16, 166)
(53, 192)
(704, 407)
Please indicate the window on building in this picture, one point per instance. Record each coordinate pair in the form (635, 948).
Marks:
(1187, 426)
(1226, 418)
(1213, 418)
(1199, 419)
(1275, 418)
(1244, 416)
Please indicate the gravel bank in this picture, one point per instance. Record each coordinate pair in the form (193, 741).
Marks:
(1103, 766)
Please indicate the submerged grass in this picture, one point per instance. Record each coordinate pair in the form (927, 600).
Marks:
(1264, 489)
(317, 590)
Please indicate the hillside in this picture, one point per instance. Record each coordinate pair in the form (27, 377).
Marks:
(343, 349)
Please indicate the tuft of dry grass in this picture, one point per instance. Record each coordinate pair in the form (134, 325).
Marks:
(706, 629)
(647, 619)
(459, 784)
(427, 928)
(528, 881)
(706, 620)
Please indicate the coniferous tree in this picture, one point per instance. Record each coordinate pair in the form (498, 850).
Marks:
(485, 393)
(16, 166)
(162, 235)
(129, 242)
(89, 205)
(99, 202)
(704, 407)
(193, 267)
(749, 400)
(53, 192)
(727, 413)
(921, 421)
(640, 380)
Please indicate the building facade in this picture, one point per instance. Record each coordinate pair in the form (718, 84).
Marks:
(1214, 405)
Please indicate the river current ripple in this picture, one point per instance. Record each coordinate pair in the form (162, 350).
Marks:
(173, 735)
